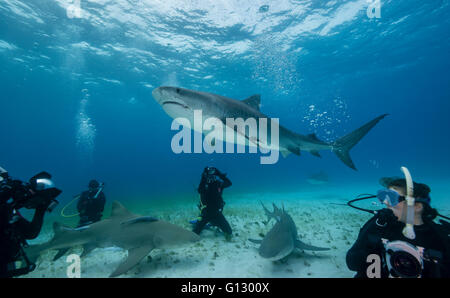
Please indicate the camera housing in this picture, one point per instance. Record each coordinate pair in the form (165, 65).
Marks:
(38, 192)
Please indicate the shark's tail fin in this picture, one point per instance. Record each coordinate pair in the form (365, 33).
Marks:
(342, 146)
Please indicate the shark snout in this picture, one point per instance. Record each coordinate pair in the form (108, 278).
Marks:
(157, 94)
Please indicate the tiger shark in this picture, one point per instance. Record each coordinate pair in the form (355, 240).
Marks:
(182, 103)
(282, 239)
(137, 234)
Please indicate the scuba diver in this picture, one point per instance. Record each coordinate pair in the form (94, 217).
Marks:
(403, 237)
(211, 202)
(91, 203)
(39, 194)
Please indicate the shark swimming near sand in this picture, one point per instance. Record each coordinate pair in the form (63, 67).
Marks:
(282, 239)
(181, 103)
(319, 178)
(137, 234)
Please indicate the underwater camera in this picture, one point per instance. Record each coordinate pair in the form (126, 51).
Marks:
(403, 259)
(406, 260)
(40, 191)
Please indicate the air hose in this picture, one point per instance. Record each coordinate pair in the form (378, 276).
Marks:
(67, 205)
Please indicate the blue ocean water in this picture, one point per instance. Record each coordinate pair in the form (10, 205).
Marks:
(76, 89)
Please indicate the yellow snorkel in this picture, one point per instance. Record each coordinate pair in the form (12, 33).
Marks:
(408, 231)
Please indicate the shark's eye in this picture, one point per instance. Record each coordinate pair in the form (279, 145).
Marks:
(178, 90)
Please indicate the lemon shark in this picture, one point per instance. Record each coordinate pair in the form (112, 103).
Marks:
(181, 103)
(137, 234)
(282, 239)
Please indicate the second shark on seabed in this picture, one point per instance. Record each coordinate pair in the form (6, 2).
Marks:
(137, 234)
(182, 103)
(282, 239)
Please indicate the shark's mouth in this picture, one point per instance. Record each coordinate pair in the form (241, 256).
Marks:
(175, 103)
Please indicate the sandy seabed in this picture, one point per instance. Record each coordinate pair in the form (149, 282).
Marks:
(321, 222)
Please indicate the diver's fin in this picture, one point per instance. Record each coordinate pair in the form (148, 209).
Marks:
(135, 255)
(315, 153)
(60, 253)
(253, 101)
(342, 146)
(301, 245)
(255, 241)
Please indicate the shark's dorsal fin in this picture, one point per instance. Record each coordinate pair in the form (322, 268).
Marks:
(119, 210)
(139, 219)
(253, 101)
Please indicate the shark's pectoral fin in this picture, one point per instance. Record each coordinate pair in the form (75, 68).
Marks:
(315, 153)
(301, 245)
(294, 150)
(255, 241)
(135, 255)
(285, 153)
(60, 253)
(87, 248)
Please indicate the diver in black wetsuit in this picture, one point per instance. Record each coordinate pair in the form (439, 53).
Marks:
(38, 194)
(211, 201)
(91, 204)
(427, 255)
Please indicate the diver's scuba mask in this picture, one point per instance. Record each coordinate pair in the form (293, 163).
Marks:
(389, 197)
(392, 198)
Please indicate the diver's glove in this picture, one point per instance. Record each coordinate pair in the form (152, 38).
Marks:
(385, 216)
